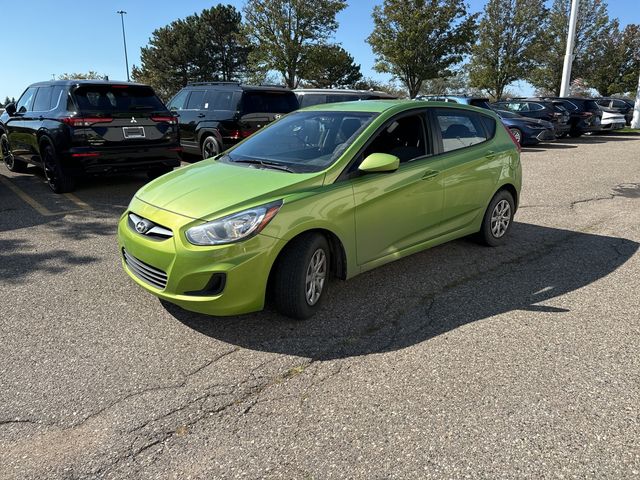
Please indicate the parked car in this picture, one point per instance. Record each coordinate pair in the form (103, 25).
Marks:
(541, 110)
(480, 102)
(308, 97)
(86, 127)
(624, 106)
(611, 120)
(214, 116)
(331, 190)
(585, 114)
(527, 131)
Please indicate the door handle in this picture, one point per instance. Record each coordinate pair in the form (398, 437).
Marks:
(491, 155)
(429, 174)
(201, 115)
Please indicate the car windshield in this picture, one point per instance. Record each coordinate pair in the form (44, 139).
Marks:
(302, 141)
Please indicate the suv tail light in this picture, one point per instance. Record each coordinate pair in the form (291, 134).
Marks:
(239, 134)
(586, 114)
(165, 119)
(513, 139)
(84, 121)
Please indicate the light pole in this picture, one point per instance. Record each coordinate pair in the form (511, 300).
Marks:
(122, 13)
(571, 43)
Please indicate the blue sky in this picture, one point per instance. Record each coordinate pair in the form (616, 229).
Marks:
(45, 37)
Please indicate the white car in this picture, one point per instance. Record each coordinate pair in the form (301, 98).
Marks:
(612, 120)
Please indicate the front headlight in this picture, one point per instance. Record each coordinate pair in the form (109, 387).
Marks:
(235, 227)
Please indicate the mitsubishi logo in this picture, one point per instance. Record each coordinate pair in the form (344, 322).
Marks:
(277, 116)
(142, 226)
(133, 120)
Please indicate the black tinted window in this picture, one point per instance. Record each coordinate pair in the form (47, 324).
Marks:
(219, 100)
(56, 96)
(459, 129)
(43, 99)
(26, 100)
(489, 125)
(116, 98)
(312, 99)
(481, 103)
(196, 100)
(404, 138)
(177, 102)
(269, 102)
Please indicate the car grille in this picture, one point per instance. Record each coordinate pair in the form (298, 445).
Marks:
(151, 275)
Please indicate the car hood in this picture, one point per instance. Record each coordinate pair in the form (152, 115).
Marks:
(209, 189)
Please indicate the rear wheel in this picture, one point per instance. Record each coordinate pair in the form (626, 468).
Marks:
(12, 164)
(575, 133)
(57, 176)
(301, 276)
(497, 220)
(517, 134)
(210, 147)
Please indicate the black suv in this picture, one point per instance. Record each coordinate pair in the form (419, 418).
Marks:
(586, 115)
(551, 111)
(317, 96)
(213, 116)
(620, 105)
(76, 127)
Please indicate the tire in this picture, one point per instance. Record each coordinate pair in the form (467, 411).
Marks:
(156, 172)
(210, 147)
(494, 230)
(58, 178)
(12, 164)
(562, 135)
(517, 134)
(575, 134)
(294, 295)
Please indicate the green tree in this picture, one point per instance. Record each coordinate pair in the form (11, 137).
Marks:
(418, 40)
(330, 66)
(90, 75)
(509, 37)
(201, 47)
(592, 26)
(282, 32)
(457, 83)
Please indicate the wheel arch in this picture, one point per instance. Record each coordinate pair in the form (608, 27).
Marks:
(509, 187)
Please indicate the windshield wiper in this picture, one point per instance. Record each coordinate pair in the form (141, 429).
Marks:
(263, 163)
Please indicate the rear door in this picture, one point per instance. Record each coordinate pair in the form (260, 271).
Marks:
(471, 167)
(123, 116)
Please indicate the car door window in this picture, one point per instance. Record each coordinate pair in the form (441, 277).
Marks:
(459, 129)
(56, 96)
(404, 138)
(219, 100)
(26, 100)
(42, 100)
(196, 100)
(177, 102)
(619, 104)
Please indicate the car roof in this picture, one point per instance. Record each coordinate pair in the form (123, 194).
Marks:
(380, 106)
(237, 86)
(343, 90)
(84, 82)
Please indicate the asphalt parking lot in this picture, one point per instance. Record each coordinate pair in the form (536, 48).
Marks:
(459, 362)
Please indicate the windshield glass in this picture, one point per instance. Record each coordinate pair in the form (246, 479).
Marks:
(302, 141)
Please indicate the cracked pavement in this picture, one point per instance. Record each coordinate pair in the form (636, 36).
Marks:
(458, 362)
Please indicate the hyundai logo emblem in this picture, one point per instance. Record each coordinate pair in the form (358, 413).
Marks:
(142, 226)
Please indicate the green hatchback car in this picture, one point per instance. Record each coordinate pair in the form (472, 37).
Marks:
(328, 191)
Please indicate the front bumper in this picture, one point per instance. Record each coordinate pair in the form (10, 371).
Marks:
(189, 269)
(608, 126)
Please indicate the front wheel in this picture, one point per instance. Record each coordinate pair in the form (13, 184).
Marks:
(497, 220)
(301, 276)
(58, 178)
(12, 164)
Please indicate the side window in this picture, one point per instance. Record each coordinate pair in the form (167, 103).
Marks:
(218, 100)
(56, 97)
(534, 107)
(43, 99)
(459, 129)
(312, 99)
(404, 138)
(26, 100)
(619, 104)
(196, 100)
(177, 102)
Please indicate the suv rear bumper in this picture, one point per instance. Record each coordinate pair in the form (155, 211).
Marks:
(111, 160)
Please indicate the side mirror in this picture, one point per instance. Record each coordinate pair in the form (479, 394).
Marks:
(10, 108)
(379, 162)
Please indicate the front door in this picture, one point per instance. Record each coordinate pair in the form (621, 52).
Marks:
(397, 210)
(20, 128)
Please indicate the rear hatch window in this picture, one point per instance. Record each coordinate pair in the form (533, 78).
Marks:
(269, 102)
(480, 103)
(114, 99)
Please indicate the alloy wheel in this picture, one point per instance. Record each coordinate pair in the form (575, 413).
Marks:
(516, 134)
(7, 155)
(210, 148)
(316, 276)
(500, 218)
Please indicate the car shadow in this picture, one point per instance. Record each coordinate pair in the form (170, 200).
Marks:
(428, 294)
(542, 147)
